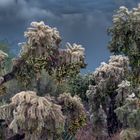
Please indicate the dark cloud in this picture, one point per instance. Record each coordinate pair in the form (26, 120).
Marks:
(81, 21)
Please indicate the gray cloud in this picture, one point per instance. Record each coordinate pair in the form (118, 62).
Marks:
(81, 21)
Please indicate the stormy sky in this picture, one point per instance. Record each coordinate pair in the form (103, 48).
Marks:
(81, 21)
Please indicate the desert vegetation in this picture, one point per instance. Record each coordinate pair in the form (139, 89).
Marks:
(45, 97)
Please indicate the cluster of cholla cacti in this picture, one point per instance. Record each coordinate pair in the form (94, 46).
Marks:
(125, 40)
(110, 106)
(42, 51)
(116, 90)
(39, 117)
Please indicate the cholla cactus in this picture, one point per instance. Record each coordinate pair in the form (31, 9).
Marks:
(39, 52)
(35, 116)
(103, 93)
(111, 73)
(74, 110)
(41, 45)
(126, 38)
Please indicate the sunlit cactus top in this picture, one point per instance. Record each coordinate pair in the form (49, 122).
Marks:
(40, 38)
(40, 33)
(114, 69)
(123, 14)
